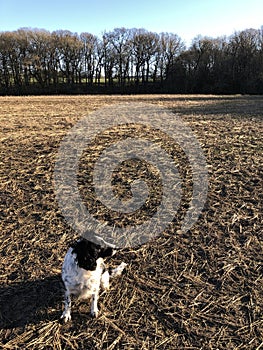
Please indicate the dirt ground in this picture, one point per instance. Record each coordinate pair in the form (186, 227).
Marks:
(202, 289)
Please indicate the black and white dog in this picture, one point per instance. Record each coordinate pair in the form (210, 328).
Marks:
(84, 272)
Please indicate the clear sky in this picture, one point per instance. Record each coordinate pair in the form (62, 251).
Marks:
(187, 18)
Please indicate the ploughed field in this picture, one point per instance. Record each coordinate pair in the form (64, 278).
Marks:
(200, 289)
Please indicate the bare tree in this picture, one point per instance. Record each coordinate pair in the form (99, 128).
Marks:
(69, 47)
(171, 46)
(89, 55)
(6, 71)
(119, 46)
(145, 46)
(243, 47)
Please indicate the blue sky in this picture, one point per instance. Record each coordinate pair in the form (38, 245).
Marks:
(187, 18)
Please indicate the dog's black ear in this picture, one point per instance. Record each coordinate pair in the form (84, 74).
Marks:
(106, 252)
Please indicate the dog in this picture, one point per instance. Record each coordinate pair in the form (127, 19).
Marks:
(84, 272)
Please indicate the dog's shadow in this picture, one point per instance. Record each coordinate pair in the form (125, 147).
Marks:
(30, 302)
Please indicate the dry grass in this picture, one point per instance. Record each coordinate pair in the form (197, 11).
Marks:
(199, 290)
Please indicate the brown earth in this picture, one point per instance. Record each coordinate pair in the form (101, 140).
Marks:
(197, 290)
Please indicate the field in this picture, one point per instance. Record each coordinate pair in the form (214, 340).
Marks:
(202, 289)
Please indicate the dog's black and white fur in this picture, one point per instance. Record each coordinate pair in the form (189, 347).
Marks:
(84, 272)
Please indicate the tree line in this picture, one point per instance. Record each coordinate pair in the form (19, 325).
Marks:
(124, 60)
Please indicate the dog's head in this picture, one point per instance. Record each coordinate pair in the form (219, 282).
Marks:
(88, 252)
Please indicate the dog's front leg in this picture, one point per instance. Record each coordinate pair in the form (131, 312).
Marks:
(67, 311)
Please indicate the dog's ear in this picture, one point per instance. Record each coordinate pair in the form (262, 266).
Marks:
(106, 252)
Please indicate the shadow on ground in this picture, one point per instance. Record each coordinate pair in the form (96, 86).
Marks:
(29, 302)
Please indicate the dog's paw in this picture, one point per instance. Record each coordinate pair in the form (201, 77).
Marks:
(65, 317)
(94, 314)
